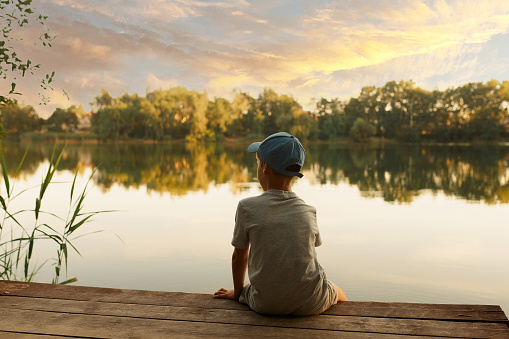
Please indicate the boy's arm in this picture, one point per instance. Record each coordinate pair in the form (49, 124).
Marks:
(239, 265)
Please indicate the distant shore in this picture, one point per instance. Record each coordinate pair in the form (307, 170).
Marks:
(91, 138)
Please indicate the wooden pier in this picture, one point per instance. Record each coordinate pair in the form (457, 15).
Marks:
(34, 310)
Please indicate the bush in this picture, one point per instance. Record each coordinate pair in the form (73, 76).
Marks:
(362, 130)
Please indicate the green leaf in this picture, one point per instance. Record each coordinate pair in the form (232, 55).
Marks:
(37, 207)
(4, 171)
(51, 170)
(2, 201)
(21, 162)
(11, 216)
(75, 227)
(68, 281)
(26, 266)
(63, 247)
(53, 237)
(73, 184)
(30, 245)
(47, 178)
(77, 210)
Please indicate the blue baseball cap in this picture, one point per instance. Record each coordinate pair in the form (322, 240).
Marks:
(280, 151)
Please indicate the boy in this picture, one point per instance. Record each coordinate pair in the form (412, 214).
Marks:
(284, 273)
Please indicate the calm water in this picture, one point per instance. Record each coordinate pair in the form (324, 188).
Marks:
(411, 224)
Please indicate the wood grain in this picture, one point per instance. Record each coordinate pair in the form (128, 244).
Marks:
(32, 309)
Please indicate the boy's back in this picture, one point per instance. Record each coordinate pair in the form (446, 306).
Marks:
(275, 237)
(285, 276)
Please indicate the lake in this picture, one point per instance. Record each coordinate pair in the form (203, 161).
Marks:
(398, 223)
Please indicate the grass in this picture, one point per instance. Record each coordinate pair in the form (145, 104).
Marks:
(18, 240)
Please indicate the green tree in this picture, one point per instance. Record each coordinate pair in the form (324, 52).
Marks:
(166, 104)
(150, 125)
(396, 110)
(220, 116)
(78, 111)
(250, 122)
(128, 116)
(17, 119)
(109, 122)
(16, 17)
(472, 111)
(362, 130)
(487, 112)
(353, 110)
(63, 120)
(331, 119)
(102, 100)
(183, 113)
(303, 125)
(199, 119)
(282, 113)
(239, 114)
(266, 105)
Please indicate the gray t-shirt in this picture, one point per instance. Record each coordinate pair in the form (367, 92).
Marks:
(284, 273)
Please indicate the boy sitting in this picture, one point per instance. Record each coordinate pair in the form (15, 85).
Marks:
(275, 236)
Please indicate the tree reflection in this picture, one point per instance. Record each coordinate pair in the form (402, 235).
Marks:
(399, 173)
(395, 173)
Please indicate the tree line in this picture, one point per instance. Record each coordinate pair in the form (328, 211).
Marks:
(397, 110)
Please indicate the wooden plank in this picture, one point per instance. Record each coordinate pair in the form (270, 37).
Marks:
(236, 317)
(17, 335)
(93, 326)
(490, 313)
(9, 288)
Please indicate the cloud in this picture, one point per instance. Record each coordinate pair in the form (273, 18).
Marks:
(428, 39)
(88, 50)
(155, 83)
(308, 50)
(151, 12)
(444, 68)
(401, 29)
(249, 17)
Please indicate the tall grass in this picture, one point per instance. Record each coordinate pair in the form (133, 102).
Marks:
(17, 246)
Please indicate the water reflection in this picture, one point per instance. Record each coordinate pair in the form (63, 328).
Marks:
(396, 173)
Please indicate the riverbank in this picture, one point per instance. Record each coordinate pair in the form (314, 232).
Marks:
(92, 138)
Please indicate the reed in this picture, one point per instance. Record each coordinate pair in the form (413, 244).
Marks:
(17, 246)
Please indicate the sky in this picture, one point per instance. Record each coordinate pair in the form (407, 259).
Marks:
(306, 49)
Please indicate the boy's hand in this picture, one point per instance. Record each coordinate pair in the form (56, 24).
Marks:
(225, 294)
(239, 265)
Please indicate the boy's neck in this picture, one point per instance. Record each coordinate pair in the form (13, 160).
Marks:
(281, 185)
(269, 180)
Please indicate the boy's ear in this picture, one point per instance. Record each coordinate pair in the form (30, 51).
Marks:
(266, 168)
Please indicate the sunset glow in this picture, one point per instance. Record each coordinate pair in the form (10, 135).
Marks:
(315, 49)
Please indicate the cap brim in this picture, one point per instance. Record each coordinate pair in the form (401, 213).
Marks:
(254, 147)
